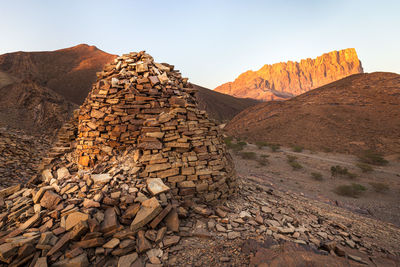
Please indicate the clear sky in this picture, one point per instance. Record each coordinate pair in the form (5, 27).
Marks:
(211, 42)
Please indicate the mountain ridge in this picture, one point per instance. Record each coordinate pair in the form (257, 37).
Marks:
(284, 80)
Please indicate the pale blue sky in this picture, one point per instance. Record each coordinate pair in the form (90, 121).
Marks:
(211, 42)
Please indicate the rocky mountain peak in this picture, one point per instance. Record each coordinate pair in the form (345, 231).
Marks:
(287, 79)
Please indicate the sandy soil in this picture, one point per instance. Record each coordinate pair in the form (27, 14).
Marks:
(279, 174)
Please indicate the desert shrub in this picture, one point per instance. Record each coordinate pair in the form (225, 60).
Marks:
(242, 143)
(297, 148)
(316, 176)
(292, 162)
(353, 190)
(374, 158)
(379, 187)
(274, 147)
(342, 171)
(238, 146)
(248, 155)
(364, 167)
(228, 140)
(261, 144)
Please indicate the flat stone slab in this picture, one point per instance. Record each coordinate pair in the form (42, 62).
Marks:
(62, 173)
(127, 260)
(101, 178)
(156, 186)
(75, 218)
(148, 211)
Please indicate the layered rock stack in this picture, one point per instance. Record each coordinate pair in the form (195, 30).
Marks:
(139, 103)
(144, 156)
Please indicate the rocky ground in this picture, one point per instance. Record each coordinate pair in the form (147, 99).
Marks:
(267, 221)
(264, 220)
(380, 200)
(259, 225)
(20, 155)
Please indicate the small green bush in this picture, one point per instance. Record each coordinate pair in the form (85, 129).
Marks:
(261, 144)
(228, 140)
(274, 147)
(342, 171)
(353, 190)
(295, 165)
(379, 187)
(374, 158)
(238, 146)
(248, 155)
(364, 167)
(317, 176)
(291, 158)
(292, 162)
(297, 148)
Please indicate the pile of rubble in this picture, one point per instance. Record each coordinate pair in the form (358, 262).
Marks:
(20, 155)
(144, 155)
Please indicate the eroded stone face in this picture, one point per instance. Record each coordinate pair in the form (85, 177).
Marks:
(142, 106)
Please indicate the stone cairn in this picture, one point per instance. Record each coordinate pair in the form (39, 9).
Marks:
(137, 157)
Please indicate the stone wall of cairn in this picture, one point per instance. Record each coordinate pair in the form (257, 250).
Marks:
(65, 142)
(148, 106)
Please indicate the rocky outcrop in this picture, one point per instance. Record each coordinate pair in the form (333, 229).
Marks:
(285, 80)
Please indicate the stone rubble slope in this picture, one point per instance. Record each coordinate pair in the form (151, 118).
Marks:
(20, 155)
(260, 213)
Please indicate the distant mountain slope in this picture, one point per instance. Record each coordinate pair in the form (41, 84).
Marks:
(69, 72)
(40, 89)
(219, 106)
(34, 108)
(350, 115)
(285, 80)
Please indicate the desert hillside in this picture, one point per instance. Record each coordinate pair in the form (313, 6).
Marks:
(350, 115)
(287, 79)
(28, 106)
(219, 106)
(69, 72)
